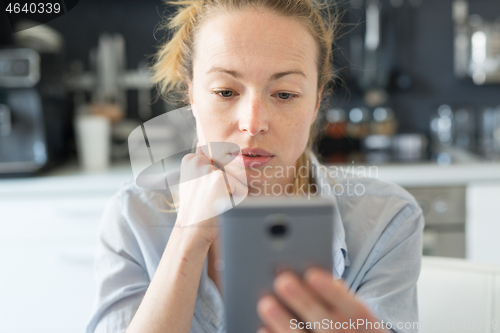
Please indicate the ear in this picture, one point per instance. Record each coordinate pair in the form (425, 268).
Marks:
(318, 102)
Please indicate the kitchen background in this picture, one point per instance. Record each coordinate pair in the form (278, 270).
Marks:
(418, 96)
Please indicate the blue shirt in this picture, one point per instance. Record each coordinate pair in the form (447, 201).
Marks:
(377, 249)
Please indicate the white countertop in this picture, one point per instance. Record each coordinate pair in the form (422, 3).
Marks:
(433, 174)
(67, 179)
(465, 169)
(71, 179)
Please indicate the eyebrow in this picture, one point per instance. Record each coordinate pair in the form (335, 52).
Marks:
(237, 75)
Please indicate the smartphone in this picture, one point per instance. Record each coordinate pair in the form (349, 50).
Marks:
(263, 236)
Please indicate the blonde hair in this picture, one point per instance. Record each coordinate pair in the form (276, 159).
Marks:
(173, 61)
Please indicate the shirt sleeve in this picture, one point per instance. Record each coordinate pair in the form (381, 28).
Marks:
(389, 286)
(120, 276)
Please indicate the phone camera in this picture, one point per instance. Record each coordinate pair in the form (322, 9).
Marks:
(278, 229)
(278, 226)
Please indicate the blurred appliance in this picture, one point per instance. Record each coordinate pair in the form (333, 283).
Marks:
(369, 51)
(409, 147)
(444, 214)
(461, 128)
(344, 133)
(465, 128)
(358, 126)
(442, 133)
(108, 81)
(442, 126)
(378, 144)
(369, 137)
(383, 121)
(31, 120)
(477, 45)
(377, 149)
(378, 48)
(490, 132)
(405, 147)
(335, 145)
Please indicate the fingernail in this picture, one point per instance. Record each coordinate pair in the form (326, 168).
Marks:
(268, 306)
(315, 277)
(287, 283)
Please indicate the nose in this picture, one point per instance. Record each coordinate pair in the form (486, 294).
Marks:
(254, 117)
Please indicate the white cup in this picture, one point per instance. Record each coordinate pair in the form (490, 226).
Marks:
(93, 135)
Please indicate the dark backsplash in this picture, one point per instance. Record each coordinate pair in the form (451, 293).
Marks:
(424, 50)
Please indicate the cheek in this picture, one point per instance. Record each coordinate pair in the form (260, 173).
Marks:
(296, 128)
(213, 124)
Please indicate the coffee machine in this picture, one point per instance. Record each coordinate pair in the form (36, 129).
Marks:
(33, 119)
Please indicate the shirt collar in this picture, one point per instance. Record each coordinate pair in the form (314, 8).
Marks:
(340, 255)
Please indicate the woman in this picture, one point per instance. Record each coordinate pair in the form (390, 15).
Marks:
(254, 72)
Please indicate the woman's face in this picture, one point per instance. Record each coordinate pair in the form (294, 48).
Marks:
(255, 84)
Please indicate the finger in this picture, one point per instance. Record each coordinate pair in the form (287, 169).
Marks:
(234, 185)
(274, 316)
(239, 190)
(335, 294)
(303, 301)
(202, 149)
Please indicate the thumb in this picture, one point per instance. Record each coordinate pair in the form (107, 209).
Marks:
(201, 149)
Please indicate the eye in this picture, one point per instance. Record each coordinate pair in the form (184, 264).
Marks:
(224, 93)
(286, 96)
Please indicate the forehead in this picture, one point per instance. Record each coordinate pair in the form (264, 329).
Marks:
(251, 38)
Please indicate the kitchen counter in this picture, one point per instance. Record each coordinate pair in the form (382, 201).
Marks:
(430, 174)
(70, 178)
(466, 168)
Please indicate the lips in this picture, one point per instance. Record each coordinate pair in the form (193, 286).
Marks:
(253, 157)
(256, 152)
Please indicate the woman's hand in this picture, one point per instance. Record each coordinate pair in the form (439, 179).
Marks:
(318, 298)
(203, 194)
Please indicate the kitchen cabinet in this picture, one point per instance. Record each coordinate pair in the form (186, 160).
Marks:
(445, 218)
(483, 222)
(482, 202)
(48, 233)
